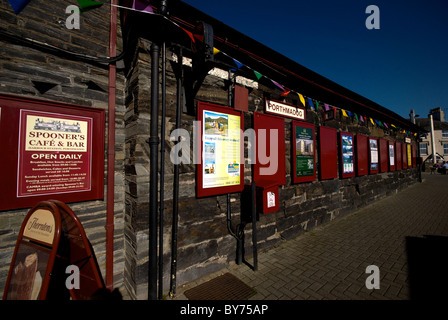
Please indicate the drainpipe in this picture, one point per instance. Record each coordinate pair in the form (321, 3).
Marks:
(163, 11)
(153, 178)
(174, 228)
(111, 149)
(162, 171)
(253, 190)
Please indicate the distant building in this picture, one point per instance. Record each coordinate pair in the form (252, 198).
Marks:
(440, 136)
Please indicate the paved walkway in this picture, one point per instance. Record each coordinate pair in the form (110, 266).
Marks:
(330, 261)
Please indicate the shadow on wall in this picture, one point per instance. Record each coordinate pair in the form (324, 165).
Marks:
(428, 276)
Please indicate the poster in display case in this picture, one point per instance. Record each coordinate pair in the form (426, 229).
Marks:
(221, 169)
(304, 164)
(391, 156)
(373, 156)
(404, 155)
(55, 150)
(347, 154)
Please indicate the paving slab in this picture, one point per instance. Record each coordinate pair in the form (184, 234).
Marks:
(330, 261)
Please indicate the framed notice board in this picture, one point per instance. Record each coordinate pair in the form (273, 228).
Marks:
(328, 153)
(362, 160)
(404, 155)
(303, 152)
(373, 156)
(384, 146)
(54, 150)
(409, 155)
(347, 144)
(398, 155)
(270, 156)
(414, 156)
(392, 162)
(221, 153)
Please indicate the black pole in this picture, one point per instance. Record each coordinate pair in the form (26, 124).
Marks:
(163, 11)
(254, 226)
(419, 161)
(162, 171)
(154, 161)
(176, 184)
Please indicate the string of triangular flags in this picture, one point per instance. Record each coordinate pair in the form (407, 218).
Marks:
(145, 7)
(313, 103)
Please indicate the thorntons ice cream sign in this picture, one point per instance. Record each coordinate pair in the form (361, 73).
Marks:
(40, 226)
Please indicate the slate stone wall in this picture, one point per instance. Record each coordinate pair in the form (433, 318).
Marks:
(30, 71)
(204, 243)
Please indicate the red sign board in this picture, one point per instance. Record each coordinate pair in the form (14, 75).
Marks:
(384, 154)
(328, 154)
(414, 156)
(404, 154)
(270, 150)
(54, 150)
(362, 167)
(398, 156)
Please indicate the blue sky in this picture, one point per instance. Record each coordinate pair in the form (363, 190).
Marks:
(401, 66)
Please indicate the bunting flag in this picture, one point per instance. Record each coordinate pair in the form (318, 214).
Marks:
(215, 51)
(385, 124)
(142, 5)
(350, 114)
(238, 65)
(278, 85)
(317, 105)
(344, 113)
(356, 117)
(310, 102)
(87, 5)
(371, 120)
(361, 118)
(258, 75)
(18, 5)
(302, 99)
(393, 126)
(327, 108)
(286, 92)
(189, 34)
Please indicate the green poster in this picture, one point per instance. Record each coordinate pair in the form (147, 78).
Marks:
(304, 152)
